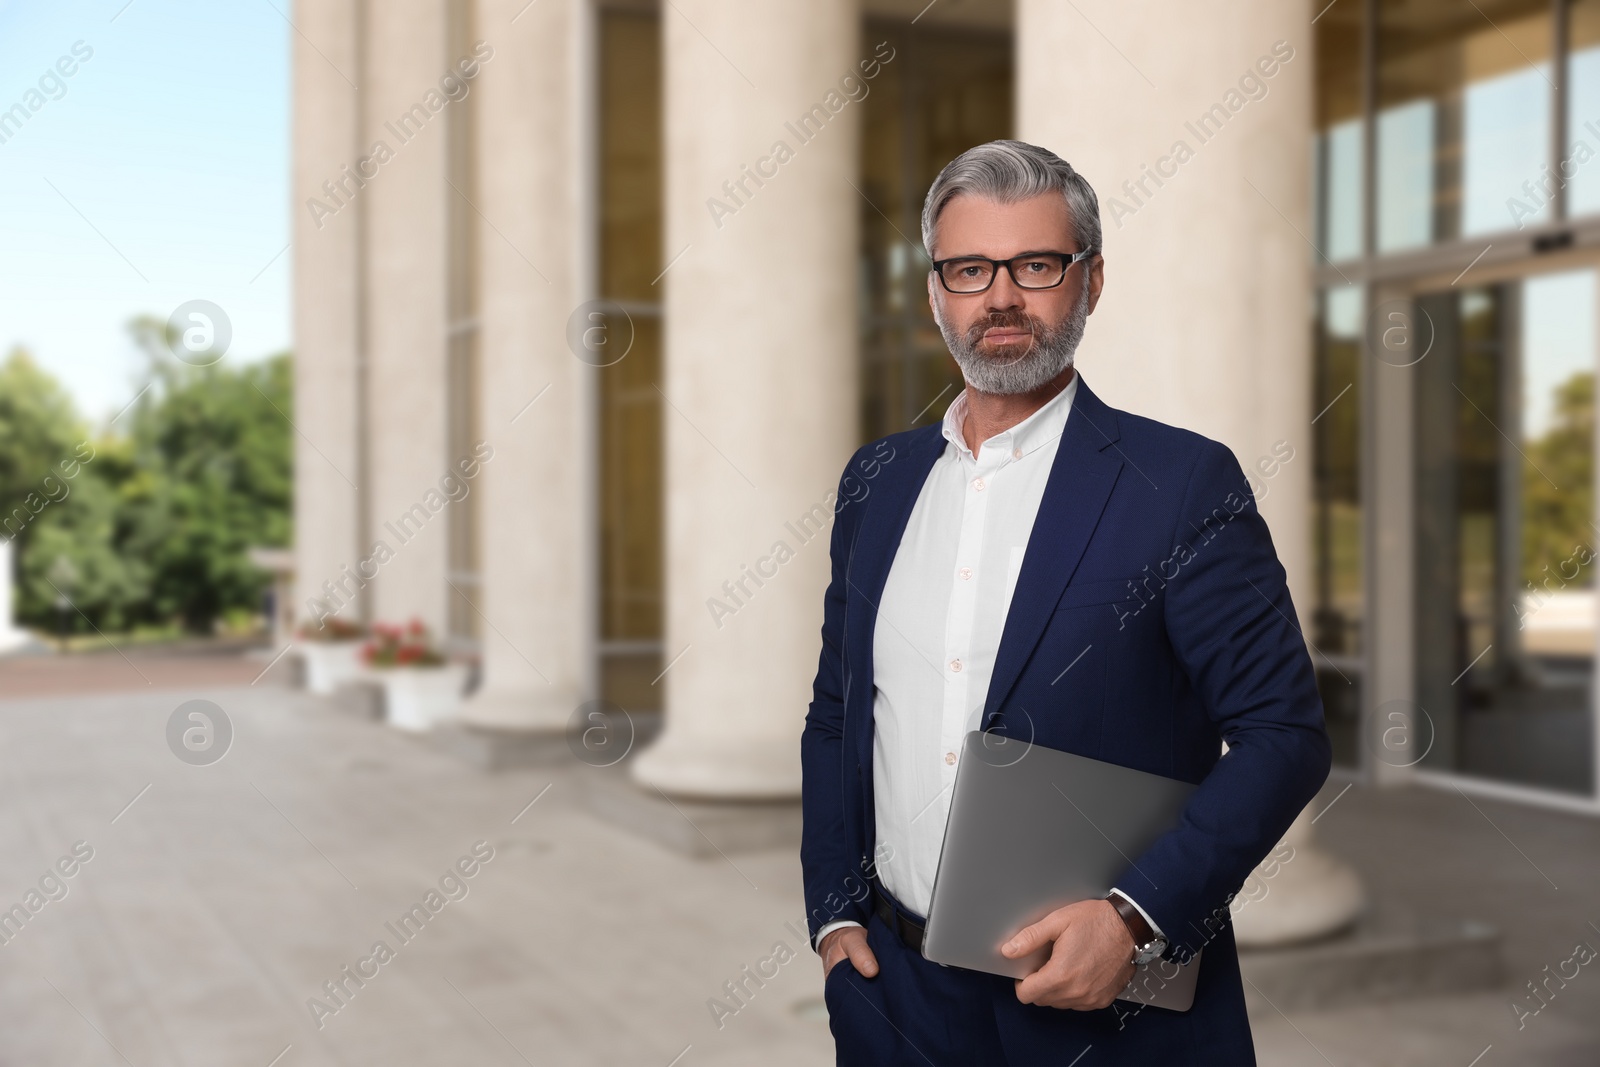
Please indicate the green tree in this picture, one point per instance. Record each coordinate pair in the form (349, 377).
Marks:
(1558, 486)
(211, 476)
(39, 428)
(78, 553)
(154, 526)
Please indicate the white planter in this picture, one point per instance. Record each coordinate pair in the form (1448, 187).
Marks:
(418, 698)
(330, 662)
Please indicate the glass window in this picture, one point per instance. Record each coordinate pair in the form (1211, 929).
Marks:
(1505, 599)
(1405, 176)
(630, 226)
(1339, 166)
(1340, 131)
(1464, 95)
(1581, 151)
(1505, 142)
(946, 91)
(1340, 596)
(1556, 603)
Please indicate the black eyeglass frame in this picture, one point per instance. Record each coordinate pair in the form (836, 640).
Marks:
(1067, 260)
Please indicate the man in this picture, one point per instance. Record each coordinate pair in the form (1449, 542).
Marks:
(1046, 566)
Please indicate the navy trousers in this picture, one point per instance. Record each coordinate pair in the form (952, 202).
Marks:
(916, 1013)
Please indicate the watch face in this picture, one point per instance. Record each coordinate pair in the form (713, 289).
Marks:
(1150, 952)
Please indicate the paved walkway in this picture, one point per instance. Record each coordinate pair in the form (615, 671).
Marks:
(220, 898)
(226, 895)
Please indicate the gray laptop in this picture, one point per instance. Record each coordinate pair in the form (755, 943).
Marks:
(999, 873)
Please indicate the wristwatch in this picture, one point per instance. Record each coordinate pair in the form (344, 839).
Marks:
(1147, 944)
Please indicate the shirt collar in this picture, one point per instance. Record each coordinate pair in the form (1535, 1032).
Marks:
(1040, 428)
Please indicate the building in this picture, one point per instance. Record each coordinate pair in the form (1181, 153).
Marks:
(594, 299)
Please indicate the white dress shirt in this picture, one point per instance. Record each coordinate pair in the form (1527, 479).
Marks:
(938, 631)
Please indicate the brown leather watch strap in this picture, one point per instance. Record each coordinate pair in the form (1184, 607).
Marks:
(1136, 924)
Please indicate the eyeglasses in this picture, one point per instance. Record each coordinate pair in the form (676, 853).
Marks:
(1031, 270)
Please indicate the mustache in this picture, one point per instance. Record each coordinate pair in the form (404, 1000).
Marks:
(1008, 320)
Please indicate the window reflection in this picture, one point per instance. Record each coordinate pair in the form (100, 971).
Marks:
(1337, 516)
(1339, 131)
(1505, 559)
(1340, 166)
(1463, 119)
(1581, 146)
(946, 91)
(630, 504)
(1406, 139)
(1505, 133)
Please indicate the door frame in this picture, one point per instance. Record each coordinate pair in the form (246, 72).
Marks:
(1389, 498)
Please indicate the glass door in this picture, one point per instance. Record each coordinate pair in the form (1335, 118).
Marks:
(1505, 537)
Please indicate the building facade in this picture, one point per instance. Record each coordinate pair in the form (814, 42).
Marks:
(594, 299)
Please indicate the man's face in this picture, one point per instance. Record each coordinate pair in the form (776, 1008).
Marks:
(1008, 339)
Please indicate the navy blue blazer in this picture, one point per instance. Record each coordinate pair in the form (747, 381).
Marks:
(1149, 559)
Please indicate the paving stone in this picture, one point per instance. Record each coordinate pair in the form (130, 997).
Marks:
(220, 898)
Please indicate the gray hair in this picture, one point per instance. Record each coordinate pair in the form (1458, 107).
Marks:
(1009, 171)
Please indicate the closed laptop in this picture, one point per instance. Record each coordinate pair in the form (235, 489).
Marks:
(1033, 829)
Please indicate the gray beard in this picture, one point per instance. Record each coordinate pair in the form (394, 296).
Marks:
(1047, 356)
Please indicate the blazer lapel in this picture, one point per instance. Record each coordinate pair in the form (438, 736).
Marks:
(1086, 468)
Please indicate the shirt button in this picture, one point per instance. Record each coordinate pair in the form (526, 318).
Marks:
(955, 665)
(950, 758)
(1016, 453)
(978, 485)
(966, 573)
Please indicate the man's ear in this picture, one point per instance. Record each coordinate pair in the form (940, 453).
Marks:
(1097, 281)
(933, 298)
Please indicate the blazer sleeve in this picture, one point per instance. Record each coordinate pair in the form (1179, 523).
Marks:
(831, 851)
(1230, 621)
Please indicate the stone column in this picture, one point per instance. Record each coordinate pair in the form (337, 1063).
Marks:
(1205, 320)
(535, 517)
(405, 205)
(327, 264)
(1197, 139)
(1299, 893)
(760, 377)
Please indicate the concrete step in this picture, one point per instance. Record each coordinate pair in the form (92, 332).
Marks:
(1391, 953)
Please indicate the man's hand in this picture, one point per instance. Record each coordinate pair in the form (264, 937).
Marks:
(1090, 963)
(849, 941)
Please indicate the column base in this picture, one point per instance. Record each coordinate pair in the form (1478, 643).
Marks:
(492, 749)
(1390, 954)
(720, 768)
(500, 729)
(1306, 896)
(543, 709)
(1309, 897)
(701, 829)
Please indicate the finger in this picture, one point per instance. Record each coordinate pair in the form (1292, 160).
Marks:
(1031, 937)
(861, 957)
(1036, 987)
(1058, 981)
(837, 948)
(1041, 988)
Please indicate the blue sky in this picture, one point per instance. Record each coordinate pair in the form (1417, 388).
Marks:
(172, 141)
